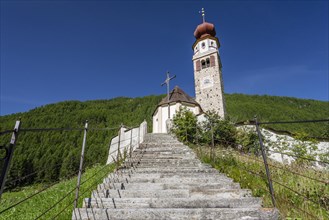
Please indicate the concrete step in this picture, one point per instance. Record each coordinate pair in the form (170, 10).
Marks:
(163, 186)
(170, 213)
(164, 167)
(166, 156)
(181, 180)
(178, 170)
(150, 176)
(167, 152)
(126, 203)
(167, 165)
(172, 193)
(169, 193)
(168, 160)
(173, 179)
(164, 162)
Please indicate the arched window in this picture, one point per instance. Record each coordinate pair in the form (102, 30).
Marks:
(203, 64)
(207, 62)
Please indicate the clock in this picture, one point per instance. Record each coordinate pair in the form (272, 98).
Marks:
(207, 82)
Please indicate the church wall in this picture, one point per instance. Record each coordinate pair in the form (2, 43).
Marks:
(156, 121)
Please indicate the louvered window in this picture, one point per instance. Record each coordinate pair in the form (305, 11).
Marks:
(198, 65)
(212, 60)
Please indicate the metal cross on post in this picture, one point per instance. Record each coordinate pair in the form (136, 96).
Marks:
(168, 90)
(202, 12)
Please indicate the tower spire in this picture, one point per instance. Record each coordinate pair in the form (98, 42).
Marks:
(202, 12)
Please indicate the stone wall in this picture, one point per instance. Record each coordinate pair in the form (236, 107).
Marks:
(209, 88)
(126, 139)
(283, 144)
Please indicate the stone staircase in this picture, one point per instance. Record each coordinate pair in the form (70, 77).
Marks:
(164, 180)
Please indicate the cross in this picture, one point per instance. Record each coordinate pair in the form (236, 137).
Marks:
(202, 12)
(168, 88)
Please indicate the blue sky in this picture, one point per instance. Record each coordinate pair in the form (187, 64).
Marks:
(54, 51)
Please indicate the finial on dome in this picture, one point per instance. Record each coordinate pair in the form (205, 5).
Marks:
(202, 12)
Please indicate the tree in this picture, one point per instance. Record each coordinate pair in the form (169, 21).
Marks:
(185, 125)
(222, 130)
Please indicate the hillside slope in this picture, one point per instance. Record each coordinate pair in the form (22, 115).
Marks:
(242, 107)
(55, 154)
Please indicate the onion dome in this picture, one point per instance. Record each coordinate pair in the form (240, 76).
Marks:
(204, 29)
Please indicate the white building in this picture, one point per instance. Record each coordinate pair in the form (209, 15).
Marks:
(177, 98)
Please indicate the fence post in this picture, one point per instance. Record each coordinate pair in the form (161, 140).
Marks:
(196, 136)
(186, 134)
(81, 164)
(268, 174)
(131, 142)
(119, 145)
(9, 156)
(138, 136)
(212, 142)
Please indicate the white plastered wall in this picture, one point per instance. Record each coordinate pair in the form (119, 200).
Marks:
(127, 139)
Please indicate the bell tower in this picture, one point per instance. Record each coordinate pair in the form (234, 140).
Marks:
(209, 90)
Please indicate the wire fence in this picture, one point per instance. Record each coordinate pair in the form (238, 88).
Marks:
(299, 188)
(71, 195)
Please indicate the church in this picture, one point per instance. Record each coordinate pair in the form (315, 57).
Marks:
(208, 82)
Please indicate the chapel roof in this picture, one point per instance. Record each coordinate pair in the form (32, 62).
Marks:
(178, 95)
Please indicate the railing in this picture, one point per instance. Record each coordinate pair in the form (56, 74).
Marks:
(120, 148)
(298, 184)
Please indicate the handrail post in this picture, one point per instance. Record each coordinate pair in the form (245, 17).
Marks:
(81, 164)
(9, 156)
(119, 145)
(212, 142)
(138, 136)
(131, 142)
(196, 136)
(268, 174)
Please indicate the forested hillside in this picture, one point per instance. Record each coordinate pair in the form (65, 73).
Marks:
(48, 156)
(242, 107)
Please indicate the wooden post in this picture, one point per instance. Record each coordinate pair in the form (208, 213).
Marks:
(119, 143)
(212, 143)
(268, 173)
(81, 165)
(9, 156)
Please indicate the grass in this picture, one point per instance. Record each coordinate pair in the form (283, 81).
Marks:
(32, 208)
(296, 197)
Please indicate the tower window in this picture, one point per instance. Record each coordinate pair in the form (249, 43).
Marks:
(203, 64)
(208, 62)
(203, 45)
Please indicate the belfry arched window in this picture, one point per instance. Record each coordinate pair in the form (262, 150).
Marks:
(203, 64)
(207, 62)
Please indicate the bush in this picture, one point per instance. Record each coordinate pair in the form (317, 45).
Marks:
(224, 131)
(185, 125)
(187, 129)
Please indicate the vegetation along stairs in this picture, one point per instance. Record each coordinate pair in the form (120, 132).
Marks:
(163, 179)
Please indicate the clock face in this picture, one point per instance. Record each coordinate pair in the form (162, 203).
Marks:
(207, 82)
